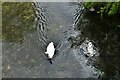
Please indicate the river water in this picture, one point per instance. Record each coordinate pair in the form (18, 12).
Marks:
(27, 59)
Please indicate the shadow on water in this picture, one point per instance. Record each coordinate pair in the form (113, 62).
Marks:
(105, 32)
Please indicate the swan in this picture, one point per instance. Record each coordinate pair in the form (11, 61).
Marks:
(50, 51)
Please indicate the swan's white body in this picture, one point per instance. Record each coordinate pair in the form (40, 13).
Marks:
(50, 50)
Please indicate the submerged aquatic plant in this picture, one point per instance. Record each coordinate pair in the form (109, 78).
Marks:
(17, 18)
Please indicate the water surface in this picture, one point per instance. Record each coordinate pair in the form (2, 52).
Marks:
(27, 59)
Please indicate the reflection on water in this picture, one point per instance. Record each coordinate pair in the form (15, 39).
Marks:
(106, 36)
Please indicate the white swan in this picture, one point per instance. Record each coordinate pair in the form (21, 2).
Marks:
(50, 51)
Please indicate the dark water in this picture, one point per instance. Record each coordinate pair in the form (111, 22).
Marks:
(104, 33)
(54, 22)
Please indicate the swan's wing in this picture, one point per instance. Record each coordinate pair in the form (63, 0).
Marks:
(50, 47)
(51, 53)
(50, 50)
